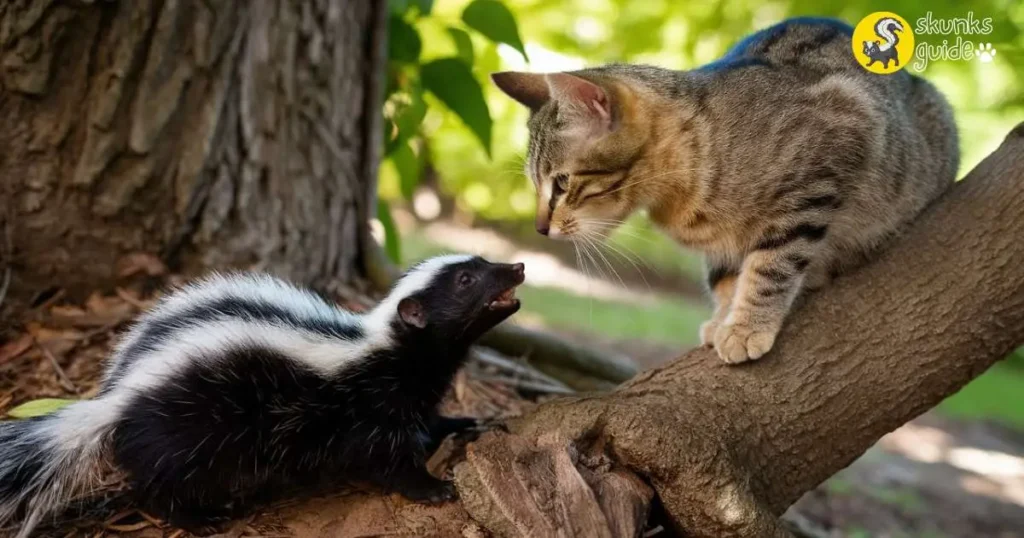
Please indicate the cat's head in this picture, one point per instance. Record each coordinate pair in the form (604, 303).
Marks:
(585, 138)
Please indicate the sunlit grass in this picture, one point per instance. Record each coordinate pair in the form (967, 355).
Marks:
(997, 395)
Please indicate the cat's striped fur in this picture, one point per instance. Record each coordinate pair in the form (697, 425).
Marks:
(784, 162)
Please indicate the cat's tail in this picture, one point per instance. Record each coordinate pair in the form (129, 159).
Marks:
(46, 461)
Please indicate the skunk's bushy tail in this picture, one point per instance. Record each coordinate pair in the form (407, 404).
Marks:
(46, 461)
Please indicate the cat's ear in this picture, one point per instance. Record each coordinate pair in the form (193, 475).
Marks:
(582, 96)
(530, 89)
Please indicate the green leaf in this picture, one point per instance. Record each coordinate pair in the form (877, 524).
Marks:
(452, 82)
(424, 5)
(391, 240)
(492, 19)
(463, 44)
(37, 408)
(401, 7)
(404, 43)
(408, 166)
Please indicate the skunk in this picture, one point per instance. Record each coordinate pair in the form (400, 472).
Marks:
(238, 388)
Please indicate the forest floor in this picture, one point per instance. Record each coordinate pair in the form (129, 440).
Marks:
(938, 476)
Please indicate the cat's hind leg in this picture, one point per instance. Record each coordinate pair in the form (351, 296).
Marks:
(721, 281)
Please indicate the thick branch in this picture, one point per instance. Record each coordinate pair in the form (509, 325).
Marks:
(727, 449)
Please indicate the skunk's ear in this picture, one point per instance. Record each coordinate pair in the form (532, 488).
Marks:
(530, 89)
(411, 312)
(582, 96)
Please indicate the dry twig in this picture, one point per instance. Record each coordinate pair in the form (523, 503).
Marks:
(62, 377)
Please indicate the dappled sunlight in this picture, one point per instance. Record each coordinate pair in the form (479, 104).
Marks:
(921, 443)
(987, 462)
(981, 471)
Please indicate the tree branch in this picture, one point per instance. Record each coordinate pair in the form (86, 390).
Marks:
(727, 449)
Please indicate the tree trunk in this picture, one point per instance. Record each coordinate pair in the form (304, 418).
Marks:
(209, 133)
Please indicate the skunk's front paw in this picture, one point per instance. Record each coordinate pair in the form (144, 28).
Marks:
(432, 492)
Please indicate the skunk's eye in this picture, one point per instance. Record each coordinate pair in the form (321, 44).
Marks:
(466, 279)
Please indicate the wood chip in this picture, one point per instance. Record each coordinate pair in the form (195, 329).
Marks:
(133, 299)
(14, 349)
(140, 262)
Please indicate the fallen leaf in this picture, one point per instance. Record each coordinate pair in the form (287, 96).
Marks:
(133, 298)
(57, 341)
(99, 311)
(140, 262)
(13, 349)
(37, 408)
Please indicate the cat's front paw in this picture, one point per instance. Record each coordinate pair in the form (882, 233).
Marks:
(707, 332)
(736, 343)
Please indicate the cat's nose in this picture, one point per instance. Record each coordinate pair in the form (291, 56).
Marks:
(543, 224)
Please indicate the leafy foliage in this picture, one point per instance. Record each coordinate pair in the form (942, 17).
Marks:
(450, 80)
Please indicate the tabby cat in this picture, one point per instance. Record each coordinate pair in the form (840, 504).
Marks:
(784, 162)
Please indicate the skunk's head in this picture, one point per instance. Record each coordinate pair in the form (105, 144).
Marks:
(456, 298)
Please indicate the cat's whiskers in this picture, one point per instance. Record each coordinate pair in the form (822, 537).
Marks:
(589, 280)
(589, 241)
(605, 225)
(605, 242)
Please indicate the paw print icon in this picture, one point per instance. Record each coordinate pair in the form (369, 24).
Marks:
(985, 52)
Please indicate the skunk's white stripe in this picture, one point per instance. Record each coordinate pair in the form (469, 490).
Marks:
(214, 339)
(253, 287)
(378, 321)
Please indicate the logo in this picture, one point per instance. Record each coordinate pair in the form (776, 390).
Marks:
(883, 42)
(964, 38)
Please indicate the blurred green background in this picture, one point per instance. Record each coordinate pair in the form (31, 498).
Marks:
(455, 144)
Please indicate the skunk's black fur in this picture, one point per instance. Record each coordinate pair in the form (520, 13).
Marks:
(240, 388)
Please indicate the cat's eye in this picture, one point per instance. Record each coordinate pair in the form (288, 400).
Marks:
(562, 182)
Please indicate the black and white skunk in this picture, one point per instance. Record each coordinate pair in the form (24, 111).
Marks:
(238, 388)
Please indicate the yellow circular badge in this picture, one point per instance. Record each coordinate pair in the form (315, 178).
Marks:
(883, 42)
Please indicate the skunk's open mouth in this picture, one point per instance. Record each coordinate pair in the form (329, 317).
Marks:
(505, 299)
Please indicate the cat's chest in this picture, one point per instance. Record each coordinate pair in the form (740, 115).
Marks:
(698, 230)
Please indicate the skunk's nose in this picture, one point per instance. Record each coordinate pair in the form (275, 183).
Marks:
(520, 269)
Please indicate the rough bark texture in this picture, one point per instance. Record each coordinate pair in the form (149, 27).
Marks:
(211, 133)
(728, 449)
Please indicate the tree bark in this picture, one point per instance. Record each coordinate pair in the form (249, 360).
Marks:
(728, 449)
(210, 133)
